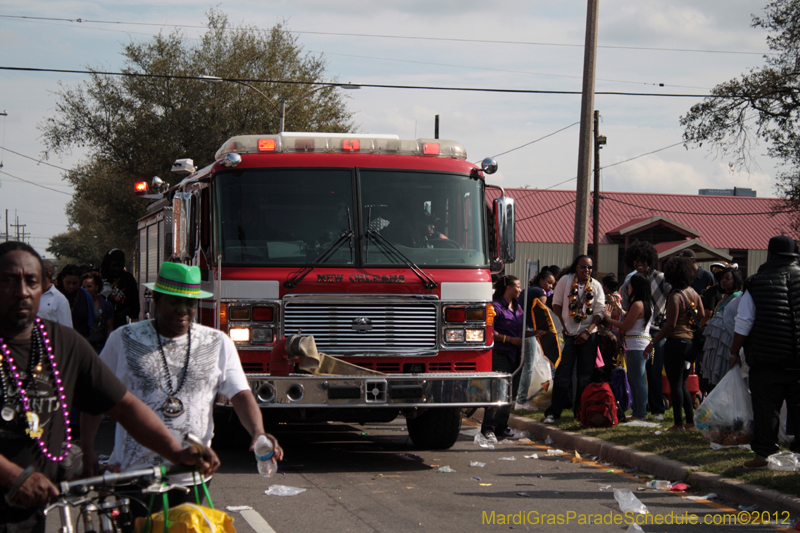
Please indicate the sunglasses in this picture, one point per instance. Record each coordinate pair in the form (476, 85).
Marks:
(586, 267)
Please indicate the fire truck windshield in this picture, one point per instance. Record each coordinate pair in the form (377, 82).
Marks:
(292, 216)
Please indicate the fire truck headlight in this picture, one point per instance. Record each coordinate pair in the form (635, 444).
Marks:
(476, 335)
(261, 335)
(454, 335)
(240, 334)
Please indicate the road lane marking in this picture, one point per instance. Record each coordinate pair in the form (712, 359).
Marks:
(256, 521)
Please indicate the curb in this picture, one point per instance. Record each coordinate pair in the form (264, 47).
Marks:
(726, 488)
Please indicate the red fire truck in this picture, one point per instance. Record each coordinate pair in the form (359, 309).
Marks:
(380, 248)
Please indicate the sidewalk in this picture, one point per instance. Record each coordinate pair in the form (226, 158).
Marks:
(728, 489)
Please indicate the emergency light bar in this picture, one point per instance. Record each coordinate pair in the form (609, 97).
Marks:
(327, 143)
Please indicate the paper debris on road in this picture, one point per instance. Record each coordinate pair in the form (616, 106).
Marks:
(534, 456)
(523, 494)
(604, 487)
(549, 440)
(709, 496)
(237, 508)
(525, 440)
(477, 463)
(577, 458)
(640, 424)
(512, 458)
(445, 470)
(283, 490)
(483, 442)
(555, 452)
(628, 502)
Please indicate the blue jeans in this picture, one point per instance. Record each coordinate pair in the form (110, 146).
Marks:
(653, 368)
(527, 369)
(635, 362)
(580, 356)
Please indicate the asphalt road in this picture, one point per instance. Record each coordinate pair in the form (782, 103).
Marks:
(371, 478)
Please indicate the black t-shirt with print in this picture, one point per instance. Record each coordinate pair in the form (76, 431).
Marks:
(88, 385)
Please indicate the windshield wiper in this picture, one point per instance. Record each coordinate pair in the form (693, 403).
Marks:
(297, 277)
(389, 249)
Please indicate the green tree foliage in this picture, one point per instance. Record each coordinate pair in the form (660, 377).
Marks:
(136, 126)
(763, 104)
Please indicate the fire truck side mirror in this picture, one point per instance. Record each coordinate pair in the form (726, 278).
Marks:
(504, 224)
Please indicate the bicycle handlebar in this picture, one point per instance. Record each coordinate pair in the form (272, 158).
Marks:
(111, 479)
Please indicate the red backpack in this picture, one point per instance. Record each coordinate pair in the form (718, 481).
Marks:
(598, 406)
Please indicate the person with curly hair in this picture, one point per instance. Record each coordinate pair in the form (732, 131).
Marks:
(678, 331)
(643, 258)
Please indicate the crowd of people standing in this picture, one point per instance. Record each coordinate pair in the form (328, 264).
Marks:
(653, 317)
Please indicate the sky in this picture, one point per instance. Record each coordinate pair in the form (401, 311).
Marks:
(644, 46)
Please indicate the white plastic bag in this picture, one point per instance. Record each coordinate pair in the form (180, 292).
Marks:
(726, 415)
(628, 502)
(784, 461)
(283, 490)
(540, 391)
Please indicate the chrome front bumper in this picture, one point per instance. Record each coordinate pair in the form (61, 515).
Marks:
(391, 390)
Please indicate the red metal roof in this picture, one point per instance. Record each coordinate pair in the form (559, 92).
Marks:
(722, 221)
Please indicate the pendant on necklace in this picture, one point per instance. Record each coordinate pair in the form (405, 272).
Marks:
(173, 407)
(34, 431)
(8, 413)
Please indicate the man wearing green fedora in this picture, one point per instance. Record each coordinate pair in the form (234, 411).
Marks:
(176, 367)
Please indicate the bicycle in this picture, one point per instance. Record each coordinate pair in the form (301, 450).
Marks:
(101, 505)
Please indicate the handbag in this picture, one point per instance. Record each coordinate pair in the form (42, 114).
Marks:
(698, 338)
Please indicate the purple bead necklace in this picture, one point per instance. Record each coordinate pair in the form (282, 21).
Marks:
(38, 339)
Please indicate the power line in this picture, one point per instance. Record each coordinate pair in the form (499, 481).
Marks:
(33, 183)
(38, 161)
(337, 84)
(537, 140)
(641, 155)
(381, 36)
(473, 67)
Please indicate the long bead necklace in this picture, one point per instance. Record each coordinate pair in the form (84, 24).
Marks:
(173, 407)
(38, 340)
(580, 310)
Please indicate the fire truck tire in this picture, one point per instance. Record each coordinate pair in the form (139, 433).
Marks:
(435, 429)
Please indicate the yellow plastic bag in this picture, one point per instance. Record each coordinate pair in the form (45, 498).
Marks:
(188, 518)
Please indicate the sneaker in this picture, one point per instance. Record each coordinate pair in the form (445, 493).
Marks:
(757, 463)
(524, 407)
(549, 419)
(658, 418)
(509, 434)
(490, 437)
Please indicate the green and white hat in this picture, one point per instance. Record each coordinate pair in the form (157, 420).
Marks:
(177, 279)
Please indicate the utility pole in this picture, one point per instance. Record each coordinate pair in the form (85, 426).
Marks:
(436, 128)
(6, 225)
(580, 245)
(596, 202)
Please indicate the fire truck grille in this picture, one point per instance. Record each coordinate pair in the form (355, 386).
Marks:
(363, 328)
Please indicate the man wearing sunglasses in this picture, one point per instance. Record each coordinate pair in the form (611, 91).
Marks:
(177, 367)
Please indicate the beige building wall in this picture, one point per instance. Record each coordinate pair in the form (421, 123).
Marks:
(557, 254)
(755, 258)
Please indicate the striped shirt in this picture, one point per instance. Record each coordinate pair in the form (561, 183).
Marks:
(660, 289)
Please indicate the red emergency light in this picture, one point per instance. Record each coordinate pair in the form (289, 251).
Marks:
(351, 145)
(266, 145)
(430, 148)
(140, 187)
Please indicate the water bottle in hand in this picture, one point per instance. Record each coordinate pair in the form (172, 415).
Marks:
(264, 451)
